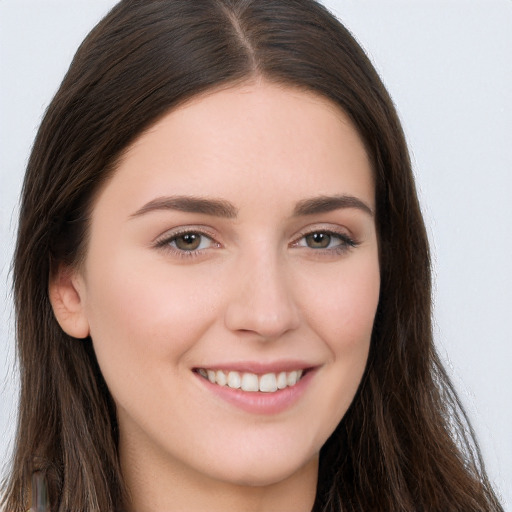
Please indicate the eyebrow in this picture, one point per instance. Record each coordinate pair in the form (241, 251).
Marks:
(190, 204)
(324, 204)
(225, 209)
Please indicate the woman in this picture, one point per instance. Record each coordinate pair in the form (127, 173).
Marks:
(222, 278)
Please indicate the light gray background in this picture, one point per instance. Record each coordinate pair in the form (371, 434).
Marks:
(448, 66)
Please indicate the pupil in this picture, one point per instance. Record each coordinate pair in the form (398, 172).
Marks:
(318, 240)
(188, 242)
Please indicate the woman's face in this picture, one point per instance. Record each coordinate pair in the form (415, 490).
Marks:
(233, 252)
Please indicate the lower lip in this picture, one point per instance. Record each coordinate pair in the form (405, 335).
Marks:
(257, 402)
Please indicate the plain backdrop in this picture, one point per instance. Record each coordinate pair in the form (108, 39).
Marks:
(448, 67)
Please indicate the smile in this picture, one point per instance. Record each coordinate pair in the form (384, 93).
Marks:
(251, 382)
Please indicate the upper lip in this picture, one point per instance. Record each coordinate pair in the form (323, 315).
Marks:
(258, 367)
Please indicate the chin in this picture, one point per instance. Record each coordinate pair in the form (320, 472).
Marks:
(265, 472)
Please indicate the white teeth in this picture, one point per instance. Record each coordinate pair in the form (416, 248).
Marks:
(267, 383)
(291, 378)
(250, 382)
(220, 377)
(282, 381)
(234, 380)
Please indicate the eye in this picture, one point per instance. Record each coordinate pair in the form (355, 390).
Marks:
(320, 240)
(190, 242)
(326, 240)
(186, 243)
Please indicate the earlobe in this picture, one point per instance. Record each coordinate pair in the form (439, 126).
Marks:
(66, 293)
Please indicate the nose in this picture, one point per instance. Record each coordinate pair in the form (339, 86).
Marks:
(261, 299)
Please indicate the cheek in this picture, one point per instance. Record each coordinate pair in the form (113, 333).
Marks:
(143, 317)
(343, 317)
(343, 311)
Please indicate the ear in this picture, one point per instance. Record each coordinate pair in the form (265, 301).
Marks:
(67, 292)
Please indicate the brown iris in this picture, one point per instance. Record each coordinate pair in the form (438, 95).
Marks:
(188, 241)
(318, 240)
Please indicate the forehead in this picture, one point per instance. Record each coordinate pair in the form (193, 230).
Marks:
(247, 142)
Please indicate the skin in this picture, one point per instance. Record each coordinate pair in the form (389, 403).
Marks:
(256, 290)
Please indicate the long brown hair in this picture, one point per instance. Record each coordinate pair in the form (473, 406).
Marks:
(405, 443)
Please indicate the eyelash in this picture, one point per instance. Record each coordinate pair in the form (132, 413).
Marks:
(346, 242)
(165, 243)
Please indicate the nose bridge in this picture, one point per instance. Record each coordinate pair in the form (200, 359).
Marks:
(261, 298)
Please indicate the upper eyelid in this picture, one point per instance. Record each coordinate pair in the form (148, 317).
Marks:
(183, 230)
(344, 239)
(323, 228)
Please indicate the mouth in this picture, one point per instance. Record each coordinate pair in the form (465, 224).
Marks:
(252, 382)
